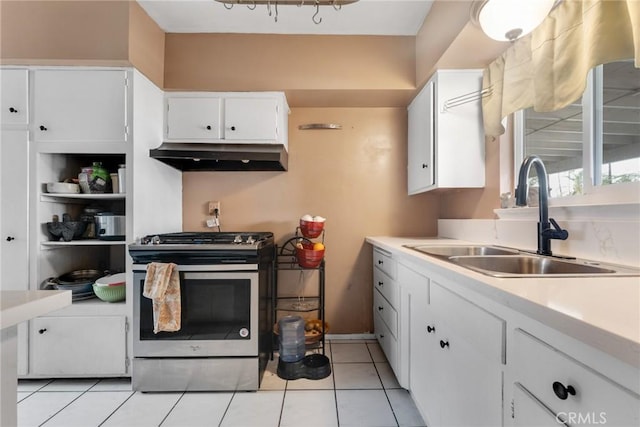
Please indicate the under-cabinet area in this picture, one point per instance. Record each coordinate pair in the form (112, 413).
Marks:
(460, 343)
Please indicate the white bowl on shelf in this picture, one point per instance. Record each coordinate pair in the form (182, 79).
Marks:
(63, 187)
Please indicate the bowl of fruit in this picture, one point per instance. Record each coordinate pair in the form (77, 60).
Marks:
(309, 255)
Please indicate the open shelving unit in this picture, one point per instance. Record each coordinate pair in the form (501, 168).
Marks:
(286, 260)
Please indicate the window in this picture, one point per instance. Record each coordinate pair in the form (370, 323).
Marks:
(594, 142)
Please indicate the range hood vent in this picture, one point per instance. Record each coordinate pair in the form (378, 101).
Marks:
(222, 157)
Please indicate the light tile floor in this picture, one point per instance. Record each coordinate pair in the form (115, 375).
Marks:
(361, 391)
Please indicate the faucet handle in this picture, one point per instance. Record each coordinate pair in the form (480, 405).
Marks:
(556, 232)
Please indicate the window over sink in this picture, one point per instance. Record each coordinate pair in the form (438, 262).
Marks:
(591, 148)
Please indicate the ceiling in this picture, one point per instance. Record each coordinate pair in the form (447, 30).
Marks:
(365, 17)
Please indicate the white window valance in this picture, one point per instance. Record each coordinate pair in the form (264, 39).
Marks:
(547, 69)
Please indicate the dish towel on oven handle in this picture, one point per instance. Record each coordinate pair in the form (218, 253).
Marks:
(162, 285)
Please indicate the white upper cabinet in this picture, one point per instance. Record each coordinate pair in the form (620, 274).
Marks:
(233, 117)
(80, 105)
(446, 136)
(194, 118)
(14, 96)
(420, 162)
(251, 119)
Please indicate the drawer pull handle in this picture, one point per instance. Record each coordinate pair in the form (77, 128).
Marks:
(12, 110)
(208, 127)
(10, 238)
(563, 392)
(424, 166)
(380, 283)
(380, 261)
(444, 344)
(380, 308)
(431, 329)
(42, 331)
(381, 335)
(42, 128)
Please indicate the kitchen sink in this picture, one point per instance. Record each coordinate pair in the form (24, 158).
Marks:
(498, 261)
(538, 266)
(452, 251)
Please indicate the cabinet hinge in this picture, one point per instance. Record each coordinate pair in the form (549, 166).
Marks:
(513, 409)
(126, 325)
(126, 80)
(126, 363)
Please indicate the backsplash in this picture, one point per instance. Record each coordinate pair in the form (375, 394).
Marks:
(611, 241)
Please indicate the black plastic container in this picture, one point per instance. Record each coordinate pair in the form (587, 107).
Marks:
(312, 367)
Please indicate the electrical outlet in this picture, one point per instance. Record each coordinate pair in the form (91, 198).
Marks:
(213, 206)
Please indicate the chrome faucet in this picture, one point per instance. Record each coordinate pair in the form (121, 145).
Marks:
(545, 232)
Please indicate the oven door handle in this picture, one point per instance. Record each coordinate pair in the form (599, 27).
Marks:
(211, 267)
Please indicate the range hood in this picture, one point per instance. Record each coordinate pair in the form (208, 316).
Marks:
(222, 157)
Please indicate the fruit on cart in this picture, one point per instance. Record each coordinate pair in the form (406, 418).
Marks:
(318, 246)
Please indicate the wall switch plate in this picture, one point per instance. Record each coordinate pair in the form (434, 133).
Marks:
(213, 206)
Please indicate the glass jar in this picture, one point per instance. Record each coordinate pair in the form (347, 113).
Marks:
(99, 178)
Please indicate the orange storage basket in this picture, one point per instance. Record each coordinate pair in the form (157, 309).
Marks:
(307, 257)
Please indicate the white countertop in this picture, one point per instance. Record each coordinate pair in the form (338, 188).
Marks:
(603, 312)
(18, 306)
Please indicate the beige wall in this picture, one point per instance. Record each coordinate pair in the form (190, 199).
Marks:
(146, 44)
(352, 71)
(61, 32)
(355, 177)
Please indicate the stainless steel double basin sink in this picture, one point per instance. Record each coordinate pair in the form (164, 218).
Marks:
(497, 261)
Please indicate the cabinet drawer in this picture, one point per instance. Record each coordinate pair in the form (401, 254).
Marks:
(387, 341)
(388, 314)
(387, 287)
(384, 262)
(484, 331)
(538, 366)
(82, 345)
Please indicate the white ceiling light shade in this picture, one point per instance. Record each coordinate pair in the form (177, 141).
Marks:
(508, 20)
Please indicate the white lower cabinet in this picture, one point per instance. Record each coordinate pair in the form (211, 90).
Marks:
(465, 349)
(76, 345)
(454, 354)
(415, 296)
(569, 390)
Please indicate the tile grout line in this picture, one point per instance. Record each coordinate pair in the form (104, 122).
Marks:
(172, 408)
(333, 380)
(118, 408)
(65, 406)
(384, 389)
(227, 408)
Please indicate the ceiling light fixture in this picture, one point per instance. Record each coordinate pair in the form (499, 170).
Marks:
(508, 20)
(272, 5)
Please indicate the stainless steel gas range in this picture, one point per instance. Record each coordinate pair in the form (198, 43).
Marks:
(224, 341)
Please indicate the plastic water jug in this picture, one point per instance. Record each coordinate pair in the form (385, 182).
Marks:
(292, 347)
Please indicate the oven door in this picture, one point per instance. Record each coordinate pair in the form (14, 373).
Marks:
(219, 314)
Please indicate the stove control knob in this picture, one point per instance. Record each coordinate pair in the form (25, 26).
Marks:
(155, 240)
(237, 239)
(250, 240)
(244, 332)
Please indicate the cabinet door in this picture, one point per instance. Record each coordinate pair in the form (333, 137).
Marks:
(421, 134)
(78, 346)
(193, 118)
(14, 97)
(14, 184)
(80, 105)
(251, 119)
(14, 253)
(422, 377)
(467, 351)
